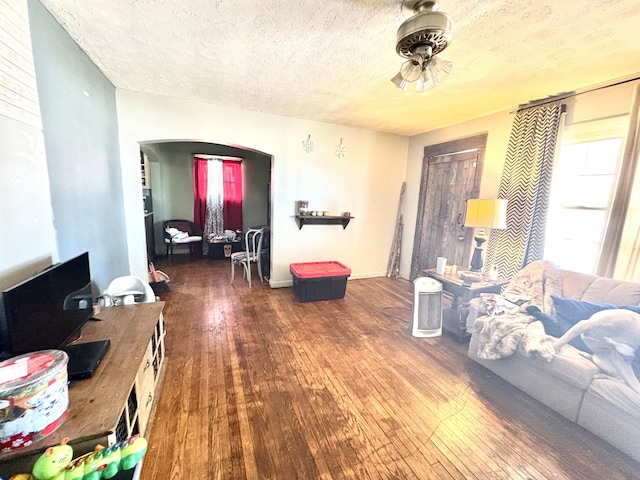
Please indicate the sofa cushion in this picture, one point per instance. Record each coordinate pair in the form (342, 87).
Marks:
(616, 392)
(612, 291)
(571, 366)
(559, 384)
(611, 410)
(574, 284)
(570, 311)
(592, 288)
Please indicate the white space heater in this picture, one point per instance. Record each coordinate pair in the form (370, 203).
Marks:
(427, 308)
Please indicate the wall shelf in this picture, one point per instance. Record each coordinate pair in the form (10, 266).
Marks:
(144, 170)
(302, 220)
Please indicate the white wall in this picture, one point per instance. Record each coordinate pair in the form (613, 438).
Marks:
(173, 185)
(602, 103)
(366, 182)
(79, 121)
(27, 242)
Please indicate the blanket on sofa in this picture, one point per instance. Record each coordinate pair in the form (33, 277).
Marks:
(503, 335)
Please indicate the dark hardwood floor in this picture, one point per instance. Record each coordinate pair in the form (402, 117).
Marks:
(259, 386)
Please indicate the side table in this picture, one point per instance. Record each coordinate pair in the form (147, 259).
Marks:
(454, 319)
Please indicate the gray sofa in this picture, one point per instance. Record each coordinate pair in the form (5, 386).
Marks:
(571, 384)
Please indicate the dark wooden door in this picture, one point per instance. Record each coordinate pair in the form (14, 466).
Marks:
(451, 174)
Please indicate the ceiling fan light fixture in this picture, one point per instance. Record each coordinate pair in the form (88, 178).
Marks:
(409, 72)
(400, 82)
(419, 39)
(426, 81)
(441, 68)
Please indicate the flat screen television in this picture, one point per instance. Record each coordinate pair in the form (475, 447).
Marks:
(48, 309)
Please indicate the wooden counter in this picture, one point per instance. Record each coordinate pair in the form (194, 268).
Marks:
(118, 400)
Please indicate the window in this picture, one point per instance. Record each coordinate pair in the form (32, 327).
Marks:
(584, 180)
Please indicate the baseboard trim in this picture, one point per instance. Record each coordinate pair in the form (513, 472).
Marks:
(289, 283)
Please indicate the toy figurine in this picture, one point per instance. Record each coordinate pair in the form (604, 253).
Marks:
(53, 460)
(57, 463)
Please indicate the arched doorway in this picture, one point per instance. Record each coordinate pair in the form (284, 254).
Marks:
(170, 189)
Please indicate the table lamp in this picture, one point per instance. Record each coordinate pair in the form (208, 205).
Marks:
(484, 213)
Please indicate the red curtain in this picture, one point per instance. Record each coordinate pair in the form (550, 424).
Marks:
(200, 180)
(232, 207)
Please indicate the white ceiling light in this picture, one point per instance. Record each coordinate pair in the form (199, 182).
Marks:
(419, 39)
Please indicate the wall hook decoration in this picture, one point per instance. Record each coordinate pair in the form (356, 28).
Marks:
(341, 150)
(308, 144)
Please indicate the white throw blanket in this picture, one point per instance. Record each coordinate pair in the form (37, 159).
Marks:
(177, 235)
(503, 335)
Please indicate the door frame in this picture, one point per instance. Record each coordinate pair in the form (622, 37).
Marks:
(475, 142)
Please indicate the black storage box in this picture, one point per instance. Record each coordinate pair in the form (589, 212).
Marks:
(223, 250)
(314, 281)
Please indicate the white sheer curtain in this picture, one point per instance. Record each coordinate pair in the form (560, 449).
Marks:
(213, 223)
(621, 246)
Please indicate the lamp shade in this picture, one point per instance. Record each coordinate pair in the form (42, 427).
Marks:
(490, 213)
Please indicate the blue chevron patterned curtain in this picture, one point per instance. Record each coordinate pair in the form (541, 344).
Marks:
(526, 183)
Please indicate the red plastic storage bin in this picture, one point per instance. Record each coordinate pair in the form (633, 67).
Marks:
(314, 281)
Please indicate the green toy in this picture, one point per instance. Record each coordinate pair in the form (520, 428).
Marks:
(57, 463)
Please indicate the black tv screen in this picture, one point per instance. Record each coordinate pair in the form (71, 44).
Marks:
(46, 310)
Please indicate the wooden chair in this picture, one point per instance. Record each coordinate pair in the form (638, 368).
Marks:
(251, 254)
(182, 232)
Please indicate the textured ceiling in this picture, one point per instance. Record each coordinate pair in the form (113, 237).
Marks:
(332, 60)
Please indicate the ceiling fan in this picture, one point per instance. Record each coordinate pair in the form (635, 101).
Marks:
(419, 39)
